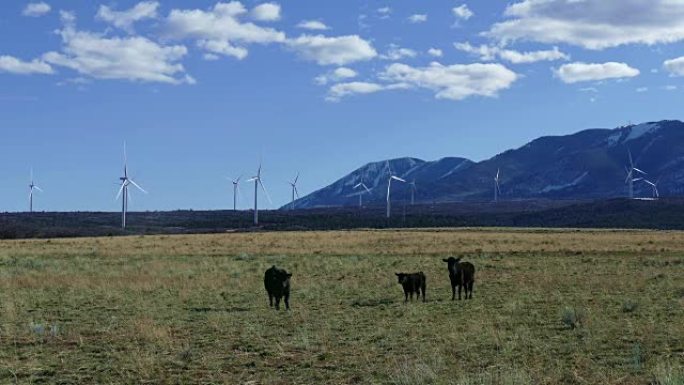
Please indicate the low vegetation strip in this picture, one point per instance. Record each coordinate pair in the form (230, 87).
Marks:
(549, 307)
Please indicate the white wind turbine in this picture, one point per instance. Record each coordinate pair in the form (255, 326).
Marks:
(631, 175)
(294, 191)
(123, 191)
(413, 188)
(32, 186)
(257, 181)
(236, 191)
(497, 189)
(389, 187)
(656, 195)
(361, 193)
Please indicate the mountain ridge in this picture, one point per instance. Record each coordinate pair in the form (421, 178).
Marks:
(588, 164)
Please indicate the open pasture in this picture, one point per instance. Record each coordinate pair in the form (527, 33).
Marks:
(549, 307)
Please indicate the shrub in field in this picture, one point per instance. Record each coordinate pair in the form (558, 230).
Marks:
(637, 357)
(572, 317)
(629, 306)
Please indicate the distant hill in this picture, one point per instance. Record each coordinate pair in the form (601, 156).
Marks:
(589, 164)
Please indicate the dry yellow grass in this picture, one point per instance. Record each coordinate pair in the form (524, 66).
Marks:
(192, 309)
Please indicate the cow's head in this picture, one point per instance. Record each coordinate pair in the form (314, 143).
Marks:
(452, 263)
(402, 277)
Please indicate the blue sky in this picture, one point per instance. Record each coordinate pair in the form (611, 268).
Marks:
(201, 90)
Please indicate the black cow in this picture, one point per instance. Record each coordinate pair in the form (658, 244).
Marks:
(277, 283)
(412, 283)
(462, 274)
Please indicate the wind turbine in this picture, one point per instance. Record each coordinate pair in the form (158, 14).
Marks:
(412, 186)
(236, 191)
(497, 189)
(361, 194)
(123, 191)
(656, 195)
(294, 191)
(257, 181)
(389, 187)
(630, 175)
(32, 186)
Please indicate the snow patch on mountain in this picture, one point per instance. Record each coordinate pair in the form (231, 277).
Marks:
(564, 186)
(641, 130)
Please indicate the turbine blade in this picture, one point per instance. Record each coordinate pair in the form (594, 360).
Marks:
(637, 170)
(358, 185)
(296, 191)
(38, 188)
(397, 178)
(296, 178)
(119, 193)
(265, 192)
(136, 185)
(252, 179)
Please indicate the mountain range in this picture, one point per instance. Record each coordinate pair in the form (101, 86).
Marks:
(590, 164)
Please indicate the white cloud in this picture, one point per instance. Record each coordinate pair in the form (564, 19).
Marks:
(131, 58)
(642, 89)
(384, 12)
(583, 72)
(454, 82)
(489, 53)
(219, 30)
(675, 66)
(266, 12)
(339, 50)
(396, 53)
(462, 12)
(670, 88)
(36, 9)
(313, 25)
(417, 18)
(593, 24)
(125, 19)
(339, 74)
(340, 90)
(13, 65)
(435, 52)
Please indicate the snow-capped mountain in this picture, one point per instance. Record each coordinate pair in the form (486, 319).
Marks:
(588, 164)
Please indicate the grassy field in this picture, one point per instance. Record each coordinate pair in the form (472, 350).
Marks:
(549, 307)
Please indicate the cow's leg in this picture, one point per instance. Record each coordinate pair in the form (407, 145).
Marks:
(405, 296)
(459, 292)
(287, 301)
(453, 292)
(270, 299)
(472, 283)
(423, 293)
(277, 306)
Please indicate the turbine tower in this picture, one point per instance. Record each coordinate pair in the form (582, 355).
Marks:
(32, 186)
(630, 175)
(412, 186)
(123, 191)
(361, 193)
(257, 181)
(294, 191)
(389, 187)
(236, 186)
(497, 189)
